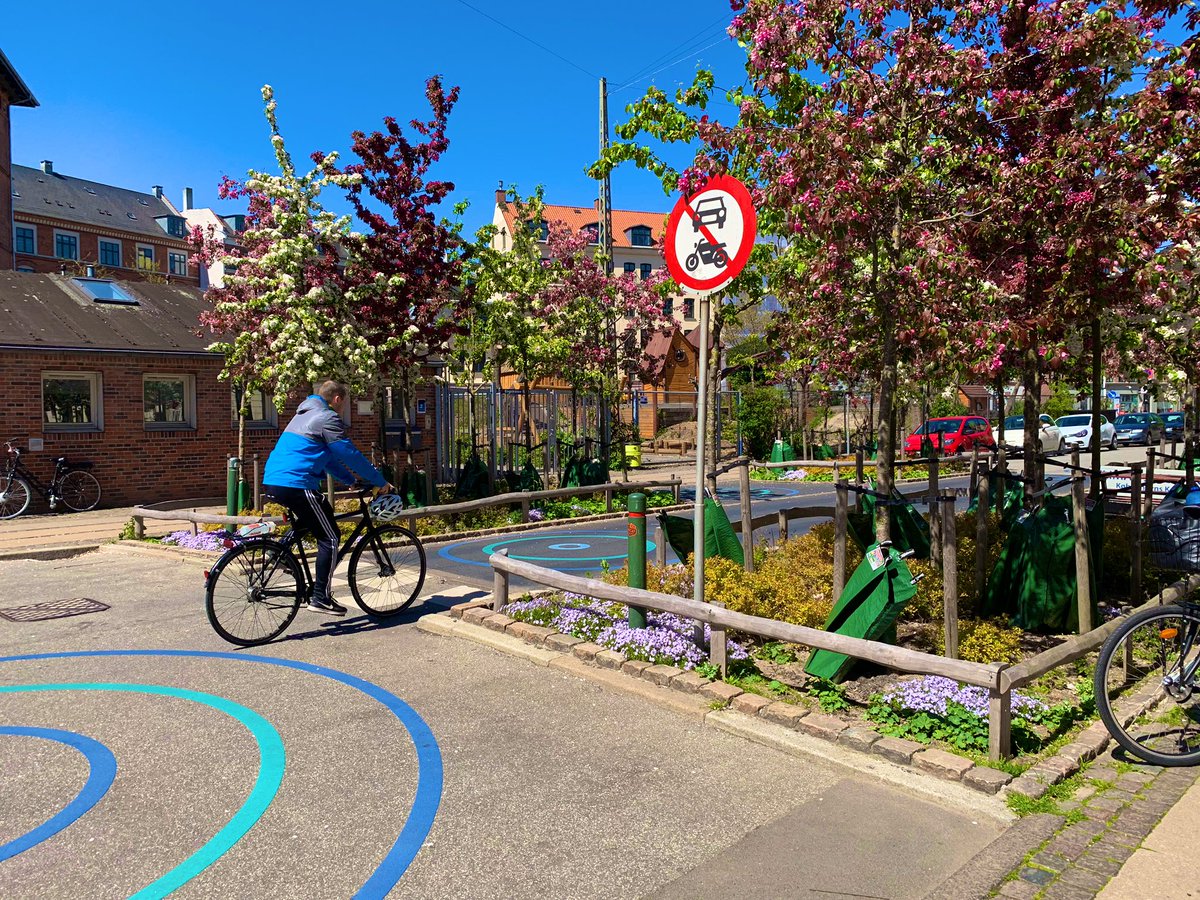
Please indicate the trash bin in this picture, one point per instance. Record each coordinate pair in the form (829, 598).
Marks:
(633, 455)
(782, 452)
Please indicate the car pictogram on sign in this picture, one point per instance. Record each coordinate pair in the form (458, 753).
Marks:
(709, 211)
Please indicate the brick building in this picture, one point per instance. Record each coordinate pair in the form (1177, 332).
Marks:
(117, 372)
(13, 92)
(63, 224)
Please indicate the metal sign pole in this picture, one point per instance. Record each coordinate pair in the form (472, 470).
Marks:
(701, 442)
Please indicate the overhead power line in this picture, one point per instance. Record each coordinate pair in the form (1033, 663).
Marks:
(530, 40)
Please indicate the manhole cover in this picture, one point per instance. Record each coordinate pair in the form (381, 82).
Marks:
(53, 609)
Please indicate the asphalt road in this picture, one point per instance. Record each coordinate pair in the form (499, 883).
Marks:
(353, 757)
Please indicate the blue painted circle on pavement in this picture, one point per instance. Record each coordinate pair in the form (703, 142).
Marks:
(487, 550)
(429, 757)
(568, 546)
(102, 769)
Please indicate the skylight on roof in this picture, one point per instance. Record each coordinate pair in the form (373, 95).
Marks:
(90, 190)
(131, 215)
(103, 291)
(143, 202)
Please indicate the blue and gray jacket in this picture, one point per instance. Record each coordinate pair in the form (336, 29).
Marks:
(314, 443)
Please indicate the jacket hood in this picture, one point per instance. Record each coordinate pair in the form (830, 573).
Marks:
(311, 403)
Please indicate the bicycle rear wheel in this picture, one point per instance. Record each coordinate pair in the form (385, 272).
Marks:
(387, 569)
(14, 497)
(254, 592)
(79, 490)
(1161, 645)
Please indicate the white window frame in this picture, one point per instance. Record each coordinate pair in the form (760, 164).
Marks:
(187, 421)
(100, 252)
(171, 256)
(272, 416)
(137, 258)
(32, 228)
(97, 399)
(65, 233)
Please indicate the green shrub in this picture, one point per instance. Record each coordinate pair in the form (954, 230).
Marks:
(985, 641)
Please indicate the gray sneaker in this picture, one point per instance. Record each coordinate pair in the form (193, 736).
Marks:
(329, 607)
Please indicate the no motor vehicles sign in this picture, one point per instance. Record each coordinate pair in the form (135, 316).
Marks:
(710, 235)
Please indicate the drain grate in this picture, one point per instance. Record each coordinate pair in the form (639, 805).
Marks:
(53, 609)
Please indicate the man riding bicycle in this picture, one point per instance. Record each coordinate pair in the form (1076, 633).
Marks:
(315, 444)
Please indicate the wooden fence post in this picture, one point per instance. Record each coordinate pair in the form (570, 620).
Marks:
(499, 585)
(717, 644)
(257, 485)
(982, 511)
(839, 540)
(974, 471)
(608, 499)
(139, 527)
(949, 576)
(1082, 572)
(935, 513)
(747, 515)
(1001, 471)
(525, 509)
(1135, 532)
(1148, 504)
(660, 548)
(999, 724)
(783, 525)
(859, 463)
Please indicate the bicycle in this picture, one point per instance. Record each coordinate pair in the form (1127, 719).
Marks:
(72, 484)
(258, 585)
(1161, 643)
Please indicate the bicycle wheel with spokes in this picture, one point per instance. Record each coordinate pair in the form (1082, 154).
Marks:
(14, 497)
(387, 569)
(254, 592)
(79, 490)
(1160, 647)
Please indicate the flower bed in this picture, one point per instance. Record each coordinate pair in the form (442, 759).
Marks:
(914, 473)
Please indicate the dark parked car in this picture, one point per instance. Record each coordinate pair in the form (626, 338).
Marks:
(1139, 428)
(1173, 426)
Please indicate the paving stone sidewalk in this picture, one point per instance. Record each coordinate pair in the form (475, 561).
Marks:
(1115, 806)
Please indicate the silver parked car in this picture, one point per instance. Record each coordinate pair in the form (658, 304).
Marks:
(1076, 430)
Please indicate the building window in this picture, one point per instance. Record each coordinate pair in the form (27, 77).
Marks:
(669, 306)
(145, 258)
(177, 263)
(25, 239)
(647, 268)
(689, 307)
(260, 410)
(168, 401)
(176, 226)
(71, 401)
(641, 236)
(104, 291)
(110, 253)
(593, 232)
(630, 268)
(26, 269)
(66, 246)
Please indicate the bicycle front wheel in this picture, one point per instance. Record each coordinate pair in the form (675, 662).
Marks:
(254, 592)
(14, 497)
(387, 569)
(1161, 645)
(79, 490)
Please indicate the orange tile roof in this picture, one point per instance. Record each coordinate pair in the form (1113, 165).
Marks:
(578, 217)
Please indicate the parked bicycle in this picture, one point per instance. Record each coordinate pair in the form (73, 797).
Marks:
(1160, 644)
(72, 485)
(259, 583)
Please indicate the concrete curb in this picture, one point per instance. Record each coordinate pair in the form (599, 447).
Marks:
(64, 551)
(796, 730)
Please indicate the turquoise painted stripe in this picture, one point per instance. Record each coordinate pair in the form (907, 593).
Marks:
(271, 759)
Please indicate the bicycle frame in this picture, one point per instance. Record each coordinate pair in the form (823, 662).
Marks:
(18, 469)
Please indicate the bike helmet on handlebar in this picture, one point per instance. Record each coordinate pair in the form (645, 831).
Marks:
(386, 507)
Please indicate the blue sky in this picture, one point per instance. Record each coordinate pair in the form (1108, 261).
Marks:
(136, 98)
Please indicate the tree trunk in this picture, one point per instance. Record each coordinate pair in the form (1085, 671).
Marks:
(885, 458)
(714, 387)
(1096, 399)
(1031, 381)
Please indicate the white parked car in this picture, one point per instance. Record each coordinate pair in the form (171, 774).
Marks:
(1076, 430)
(1012, 434)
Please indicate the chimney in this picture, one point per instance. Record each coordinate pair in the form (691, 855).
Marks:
(48, 166)
(157, 191)
(187, 199)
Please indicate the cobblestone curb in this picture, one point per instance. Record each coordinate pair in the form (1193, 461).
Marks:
(1107, 818)
(928, 761)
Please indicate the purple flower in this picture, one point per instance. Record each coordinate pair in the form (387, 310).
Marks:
(931, 693)
(205, 540)
(536, 515)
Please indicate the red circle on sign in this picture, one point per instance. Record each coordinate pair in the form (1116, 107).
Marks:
(738, 193)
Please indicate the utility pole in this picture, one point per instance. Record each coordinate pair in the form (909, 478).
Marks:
(605, 249)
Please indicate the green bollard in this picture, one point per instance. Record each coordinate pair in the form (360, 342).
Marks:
(637, 554)
(231, 491)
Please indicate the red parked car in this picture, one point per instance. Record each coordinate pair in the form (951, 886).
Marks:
(952, 434)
